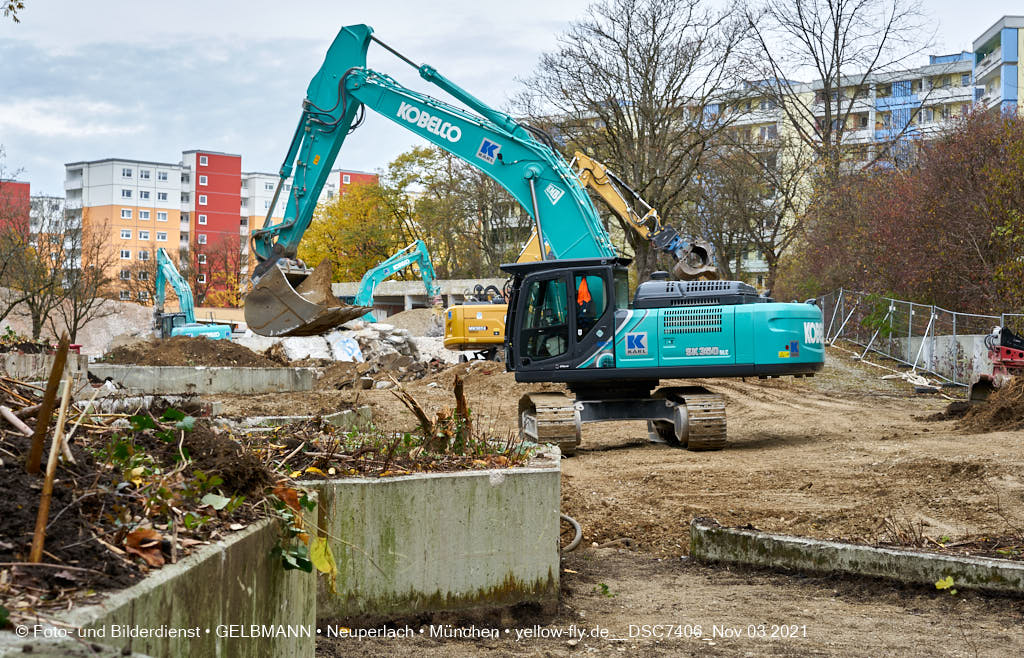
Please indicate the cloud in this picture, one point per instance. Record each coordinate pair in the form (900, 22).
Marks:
(69, 118)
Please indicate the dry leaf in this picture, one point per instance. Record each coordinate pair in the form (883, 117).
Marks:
(145, 542)
(289, 496)
(236, 526)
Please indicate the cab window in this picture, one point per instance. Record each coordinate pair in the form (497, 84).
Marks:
(546, 322)
(591, 301)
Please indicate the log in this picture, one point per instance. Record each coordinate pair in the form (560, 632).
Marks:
(35, 455)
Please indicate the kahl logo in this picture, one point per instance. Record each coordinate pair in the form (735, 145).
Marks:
(488, 151)
(636, 344)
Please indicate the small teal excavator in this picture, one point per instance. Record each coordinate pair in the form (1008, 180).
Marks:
(182, 323)
(414, 254)
(570, 318)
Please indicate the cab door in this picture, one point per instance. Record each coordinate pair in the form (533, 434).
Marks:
(544, 322)
(593, 328)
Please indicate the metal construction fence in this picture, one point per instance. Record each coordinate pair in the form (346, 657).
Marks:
(943, 343)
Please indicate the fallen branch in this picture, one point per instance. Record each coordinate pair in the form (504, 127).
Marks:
(35, 454)
(15, 421)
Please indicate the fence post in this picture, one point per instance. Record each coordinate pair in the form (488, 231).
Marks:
(910, 329)
(956, 350)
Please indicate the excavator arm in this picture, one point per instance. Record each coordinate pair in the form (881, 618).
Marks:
(283, 301)
(416, 253)
(166, 273)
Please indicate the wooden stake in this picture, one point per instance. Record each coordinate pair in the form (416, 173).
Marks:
(39, 536)
(35, 455)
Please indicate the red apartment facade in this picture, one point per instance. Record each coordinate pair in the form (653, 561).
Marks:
(15, 205)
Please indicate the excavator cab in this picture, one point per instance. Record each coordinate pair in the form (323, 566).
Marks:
(562, 316)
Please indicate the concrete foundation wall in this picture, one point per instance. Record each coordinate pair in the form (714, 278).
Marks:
(221, 590)
(36, 367)
(176, 380)
(441, 541)
(712, 543)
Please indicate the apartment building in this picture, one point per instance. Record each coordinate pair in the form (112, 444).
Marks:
(14, 205)
(198, 209)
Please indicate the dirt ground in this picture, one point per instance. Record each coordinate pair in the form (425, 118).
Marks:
(628, 593)
(842, 455)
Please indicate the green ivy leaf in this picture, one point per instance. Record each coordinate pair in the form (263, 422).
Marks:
(172, 414)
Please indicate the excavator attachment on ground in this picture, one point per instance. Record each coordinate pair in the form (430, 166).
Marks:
(291, 300)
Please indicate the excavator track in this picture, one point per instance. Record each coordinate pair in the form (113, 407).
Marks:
(550, 418)
(705, 413)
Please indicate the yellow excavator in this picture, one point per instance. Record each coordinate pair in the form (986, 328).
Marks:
(478, 325)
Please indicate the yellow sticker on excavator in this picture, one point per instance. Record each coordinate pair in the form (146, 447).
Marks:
(316, 159)
(784, 354)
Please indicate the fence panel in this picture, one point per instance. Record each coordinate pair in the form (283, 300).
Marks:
(943, 343)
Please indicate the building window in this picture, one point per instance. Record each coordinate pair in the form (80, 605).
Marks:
(202, 180)
(126, 254)
(269, 187)
(144, 174)
(125, 295)
(202, 259)
(201, 239)
(143, 214)
(126, 194)
(203, 161)
(126, 275)
(161, 175)
(161, 236)
(202, 199)
(126, 234)
(202, 219)
(143, 276)
(345, 179)
(143, 254)
(161, 196)
(126, 173)
(126, 213)
(965, 79)
(287, 187)
(143, 235)
(243, 221)
(161, 216)
(266, 204)
(143, 295)
(143, 194)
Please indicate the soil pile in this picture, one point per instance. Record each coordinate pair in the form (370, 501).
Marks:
(189, 351)
(70, 535)
(954, 410)
(346, 374)
(1002, 412)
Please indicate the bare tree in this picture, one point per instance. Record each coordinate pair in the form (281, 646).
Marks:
(218, 271)
(845, 46)
(88, 283)
(639, 85)
(11, 8)
(14, 218)
(46, 256)
(754, 197)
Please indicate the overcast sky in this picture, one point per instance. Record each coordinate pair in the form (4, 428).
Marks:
(145, 80)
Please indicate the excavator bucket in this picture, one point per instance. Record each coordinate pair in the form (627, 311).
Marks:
(695, 263)
(290, 301)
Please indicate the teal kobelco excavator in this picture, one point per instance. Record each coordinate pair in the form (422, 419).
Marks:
(570, 317)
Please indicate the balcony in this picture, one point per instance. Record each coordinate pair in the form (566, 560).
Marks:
(73, 183)
(989, 64)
